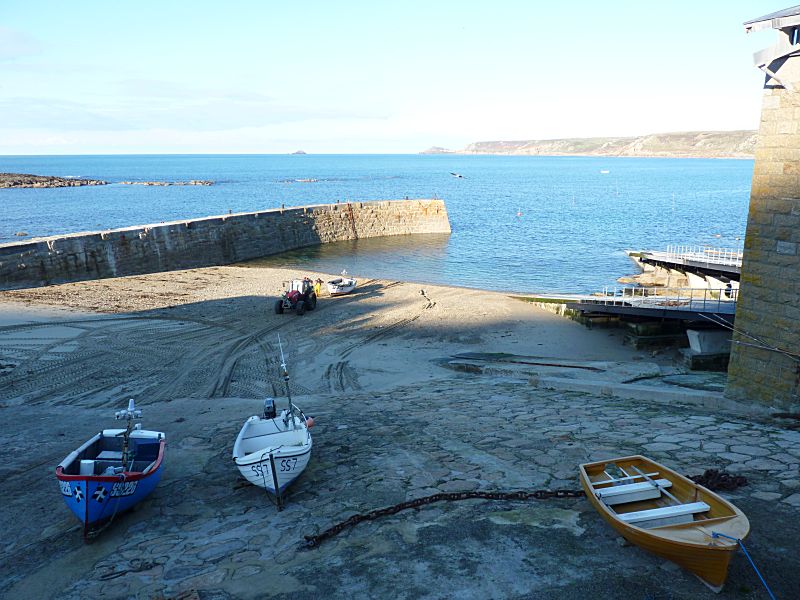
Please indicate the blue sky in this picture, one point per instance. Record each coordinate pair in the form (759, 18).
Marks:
(106, 77)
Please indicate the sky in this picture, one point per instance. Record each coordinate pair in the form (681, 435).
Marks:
(341, 76)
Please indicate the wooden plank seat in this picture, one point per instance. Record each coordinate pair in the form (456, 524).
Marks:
(632, 492)
(667, 515)
(110, 455)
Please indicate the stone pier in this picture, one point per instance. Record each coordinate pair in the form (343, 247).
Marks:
(209, 241)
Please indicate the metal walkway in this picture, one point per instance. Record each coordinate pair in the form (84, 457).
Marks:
(686, 304)
(700, 259)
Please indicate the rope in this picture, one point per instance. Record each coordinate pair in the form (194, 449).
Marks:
(715, 534)
(93, 533)
(761, 343)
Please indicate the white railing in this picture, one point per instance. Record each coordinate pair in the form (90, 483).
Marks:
(706, 254)
(674, 298)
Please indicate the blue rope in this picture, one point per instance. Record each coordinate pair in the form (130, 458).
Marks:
(714, 534)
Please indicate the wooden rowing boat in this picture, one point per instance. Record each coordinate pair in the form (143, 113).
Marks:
(667, 514)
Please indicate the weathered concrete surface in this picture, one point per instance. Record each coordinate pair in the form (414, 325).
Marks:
(210, 241)
(205, 530)
(392, 425)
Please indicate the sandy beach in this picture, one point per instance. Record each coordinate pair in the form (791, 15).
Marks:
(413, 393)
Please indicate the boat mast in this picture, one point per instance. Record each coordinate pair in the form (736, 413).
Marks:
(130, 414)
(285, 375)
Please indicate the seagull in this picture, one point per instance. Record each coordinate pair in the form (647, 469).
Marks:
(457, 175)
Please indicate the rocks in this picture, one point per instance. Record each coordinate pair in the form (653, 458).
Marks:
(768, 496)
(794, 500)
(661, 447)
(22, 180)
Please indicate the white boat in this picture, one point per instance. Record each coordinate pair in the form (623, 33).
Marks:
(272, 450)
(341, 285)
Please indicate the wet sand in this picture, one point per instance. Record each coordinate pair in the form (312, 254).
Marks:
(196, 349)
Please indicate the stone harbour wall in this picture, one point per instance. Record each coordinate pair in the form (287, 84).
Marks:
(765, 355)
(210, 241)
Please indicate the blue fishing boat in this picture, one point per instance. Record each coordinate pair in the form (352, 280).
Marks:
(111, 472)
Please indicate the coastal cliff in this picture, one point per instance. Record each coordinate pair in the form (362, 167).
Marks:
(690, 144)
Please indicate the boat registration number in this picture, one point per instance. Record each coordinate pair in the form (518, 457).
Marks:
(284, 465)
(288, 464)
(123, 488)
(65, 488)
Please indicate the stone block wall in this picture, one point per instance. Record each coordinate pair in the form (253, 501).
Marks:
(209, 241)
(768, 311)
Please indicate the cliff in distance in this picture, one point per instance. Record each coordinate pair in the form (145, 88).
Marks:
(689, 144)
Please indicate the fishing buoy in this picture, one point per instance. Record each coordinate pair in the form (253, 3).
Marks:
(309, 422)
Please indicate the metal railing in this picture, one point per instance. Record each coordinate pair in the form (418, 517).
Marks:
(706, 254)
(673, 298)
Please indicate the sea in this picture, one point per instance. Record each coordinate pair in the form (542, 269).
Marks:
(522, 224)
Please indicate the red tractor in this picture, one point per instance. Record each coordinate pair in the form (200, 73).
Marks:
(300, 296)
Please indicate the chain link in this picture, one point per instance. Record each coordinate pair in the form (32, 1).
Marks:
(312, 541)
(713, 479)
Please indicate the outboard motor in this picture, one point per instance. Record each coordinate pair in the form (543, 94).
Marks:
(269, 409)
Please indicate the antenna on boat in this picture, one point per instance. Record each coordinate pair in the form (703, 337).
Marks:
(285, 375)
(129, 414)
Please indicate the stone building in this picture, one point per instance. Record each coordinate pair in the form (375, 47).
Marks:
(765, 356)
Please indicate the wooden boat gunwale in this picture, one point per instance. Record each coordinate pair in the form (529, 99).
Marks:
(706, 556)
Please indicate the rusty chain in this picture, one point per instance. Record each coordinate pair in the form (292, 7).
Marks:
(713, 479)
(717, 480)
(312, 541)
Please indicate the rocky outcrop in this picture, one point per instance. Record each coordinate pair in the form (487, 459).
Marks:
(691, 144)
(22, 180)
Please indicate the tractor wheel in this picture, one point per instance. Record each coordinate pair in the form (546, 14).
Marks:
(311, 302)
(301, 307)
(279, 307)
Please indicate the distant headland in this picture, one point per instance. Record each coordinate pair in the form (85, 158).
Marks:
(688, 144)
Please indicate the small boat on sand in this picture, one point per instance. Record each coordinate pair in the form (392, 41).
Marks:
(272, 449)
(667, 514)
(341, 285)
(112, 471)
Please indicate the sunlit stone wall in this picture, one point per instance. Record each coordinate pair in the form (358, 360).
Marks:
(768, 312)
(210, 241)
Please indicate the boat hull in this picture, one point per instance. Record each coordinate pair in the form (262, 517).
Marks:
(272, 452)
(289, 465)
(94, 499)
(689, 545)
(341, 288)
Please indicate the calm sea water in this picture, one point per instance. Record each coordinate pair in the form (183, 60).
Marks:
(523, 224)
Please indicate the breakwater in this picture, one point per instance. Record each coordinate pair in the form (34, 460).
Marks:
(209, 241)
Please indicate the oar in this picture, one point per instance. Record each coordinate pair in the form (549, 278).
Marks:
(654, 483)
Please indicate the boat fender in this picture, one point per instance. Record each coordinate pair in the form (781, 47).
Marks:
(309, 422)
